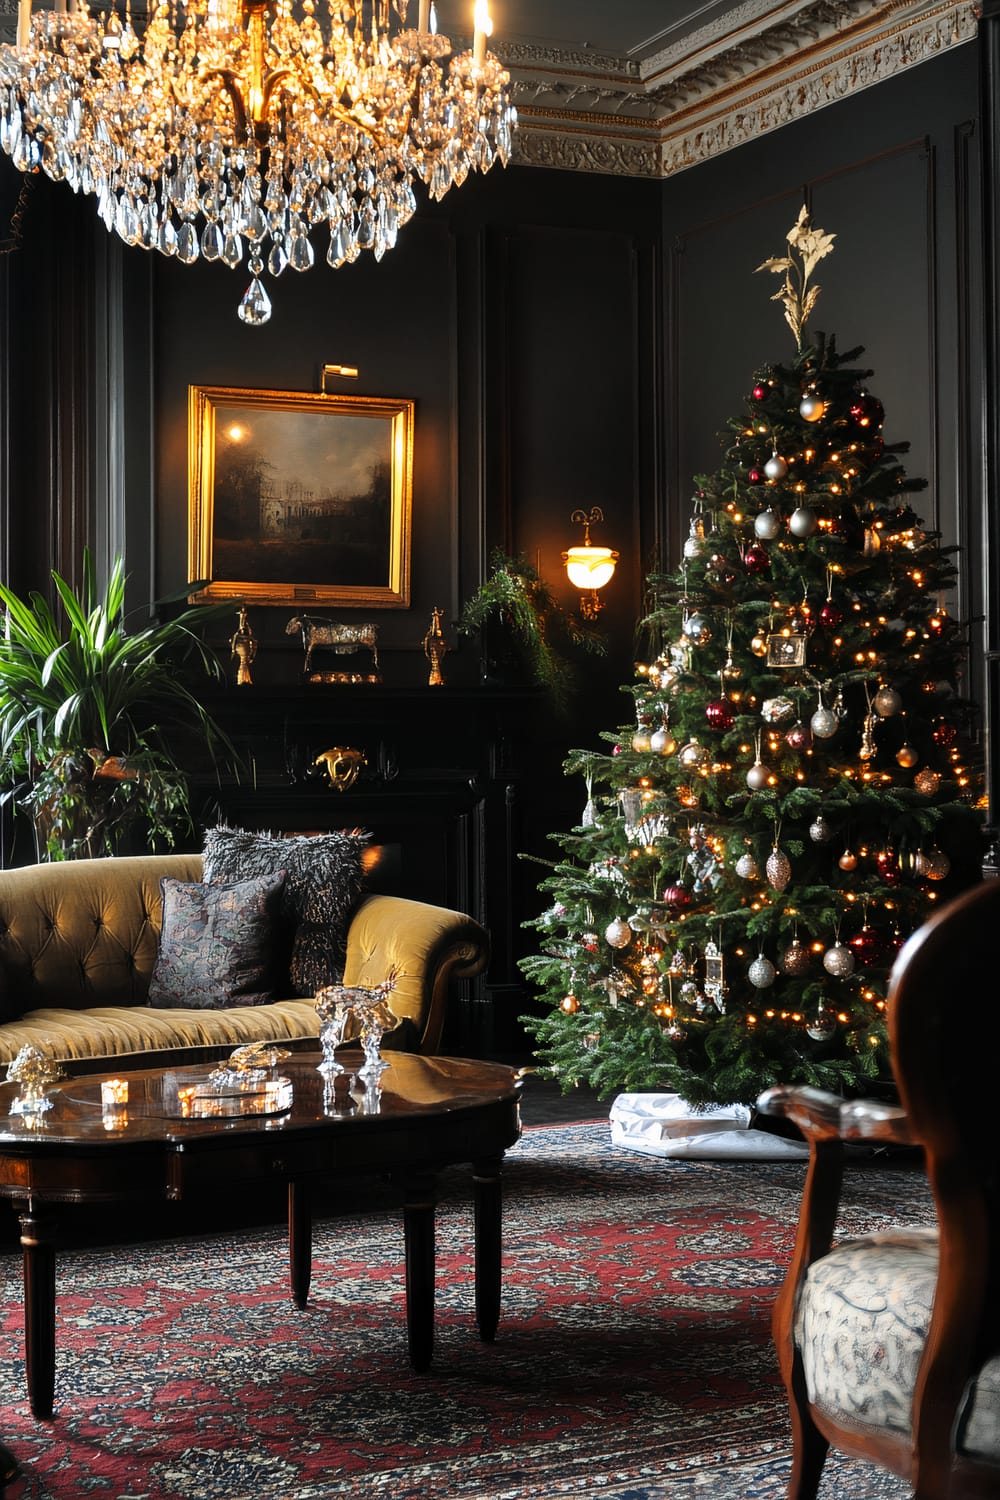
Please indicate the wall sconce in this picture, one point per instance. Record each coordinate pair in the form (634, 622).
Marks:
(589, 568)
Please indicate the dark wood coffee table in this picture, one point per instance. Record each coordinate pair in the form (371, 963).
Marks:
(428, 1113)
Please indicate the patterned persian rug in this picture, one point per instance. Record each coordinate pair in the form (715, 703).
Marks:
(633, 1360)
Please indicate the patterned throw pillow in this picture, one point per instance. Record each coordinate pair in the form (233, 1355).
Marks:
(322, 886)
(217, 944)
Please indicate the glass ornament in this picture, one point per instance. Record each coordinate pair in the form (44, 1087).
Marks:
(839, 960)
(695, 538)
(831, 615)
(776, 467)
(872, 542)
(758, 776)
(820, 831)
(811, 407)
(761, 973)
(795, 959)
(803, 521)
(759, 391)
(755, 475)
(823, 723)
(759, 645)
(697, 629)
(570, 1004)
(747, 868)
(944, 733)
(692, 754)
(767, 525)
(907, 756)
(822, 1024)
(799, 737)
(779, 869)
(719, 713)
(756, 560)
(887, 702)
(662, 742)
(927, 781)
(618, 934)
(936, 864)
(676, 896)
(848, 860)
(866, 411)
(641, 742)
(867, 945)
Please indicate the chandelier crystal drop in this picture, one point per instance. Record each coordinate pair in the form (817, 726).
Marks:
(224, 129)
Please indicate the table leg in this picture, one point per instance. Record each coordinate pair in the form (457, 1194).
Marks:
(39, 1259)
(8, 1466)
(418, 1229)
(489, 1241)
(300, 1240)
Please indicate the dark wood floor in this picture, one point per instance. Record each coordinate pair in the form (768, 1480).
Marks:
(544, 1103)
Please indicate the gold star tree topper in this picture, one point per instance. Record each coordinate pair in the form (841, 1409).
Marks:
(806, 248)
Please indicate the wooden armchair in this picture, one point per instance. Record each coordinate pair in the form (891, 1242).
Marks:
(889, 1345)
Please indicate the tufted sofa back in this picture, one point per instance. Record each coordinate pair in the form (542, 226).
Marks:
(82, 933)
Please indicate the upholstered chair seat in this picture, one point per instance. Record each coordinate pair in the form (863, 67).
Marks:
(889, 1344)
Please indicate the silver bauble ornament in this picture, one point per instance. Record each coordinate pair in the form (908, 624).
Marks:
(887, 702)
(776, 468)
(662, 742)
(692, 754)
(802, 522)
(907, 756)
(779, 869)
(795, 959)
(694, 540)
(746, 867)
(767, 525)
(812, 407)
(697, 629)
(618, 933)
(758, 776)
(823, 724)
(822, 1024)
(839, 961)
(761, 973)
(926, 781)
(820, 831)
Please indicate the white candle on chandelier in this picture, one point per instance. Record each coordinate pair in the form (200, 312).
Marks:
(484, 28)
(23, 24)
(425, 16)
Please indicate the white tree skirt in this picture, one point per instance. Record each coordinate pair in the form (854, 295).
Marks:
(665, 1125)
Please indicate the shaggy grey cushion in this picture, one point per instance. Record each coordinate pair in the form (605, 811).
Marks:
(322, 886)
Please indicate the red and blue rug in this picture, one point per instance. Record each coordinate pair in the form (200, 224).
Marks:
(633, 1360)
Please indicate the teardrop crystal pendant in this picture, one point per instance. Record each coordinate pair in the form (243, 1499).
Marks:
(255, 308)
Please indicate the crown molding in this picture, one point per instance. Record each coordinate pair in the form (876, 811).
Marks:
(759, 67)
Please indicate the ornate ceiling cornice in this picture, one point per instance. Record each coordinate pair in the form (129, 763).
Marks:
(749, 72)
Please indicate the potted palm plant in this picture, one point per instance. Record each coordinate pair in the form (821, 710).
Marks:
(90, 713)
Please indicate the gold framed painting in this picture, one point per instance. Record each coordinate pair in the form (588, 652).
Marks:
(299, 499)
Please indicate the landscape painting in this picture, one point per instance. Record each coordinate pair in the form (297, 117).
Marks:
(298, 499)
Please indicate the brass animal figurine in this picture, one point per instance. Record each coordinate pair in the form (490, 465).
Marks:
(343, 765)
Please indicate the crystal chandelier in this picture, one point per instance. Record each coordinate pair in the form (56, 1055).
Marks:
(224, 128)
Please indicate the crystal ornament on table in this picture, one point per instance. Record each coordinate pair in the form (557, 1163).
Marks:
(35, 1071)
(226, 128)
(373, 1014)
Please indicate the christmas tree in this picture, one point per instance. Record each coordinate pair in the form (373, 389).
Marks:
(798, 786)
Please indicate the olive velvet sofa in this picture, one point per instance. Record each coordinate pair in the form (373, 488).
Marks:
(78, 943)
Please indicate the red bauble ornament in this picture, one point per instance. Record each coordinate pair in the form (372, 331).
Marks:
(759, 392)
(888, 866)
(867, 411)
(677, 897)
(799, 737)
(755, 476)
(756, 560)
(719, 713)
(867, 945)
(944, 733)
(617, 750)
(830, 615)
